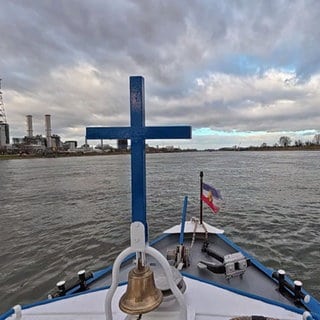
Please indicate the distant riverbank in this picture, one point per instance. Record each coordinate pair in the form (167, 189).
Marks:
(86, 154)
(50, 155)
(273, 148)
(76, 154)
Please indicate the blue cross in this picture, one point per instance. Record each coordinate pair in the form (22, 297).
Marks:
(138, 133)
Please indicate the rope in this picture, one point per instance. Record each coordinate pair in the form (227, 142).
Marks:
(206, 232)
(194, 231)
(196, 221)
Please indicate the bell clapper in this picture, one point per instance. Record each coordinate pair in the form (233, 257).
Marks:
(141, 260)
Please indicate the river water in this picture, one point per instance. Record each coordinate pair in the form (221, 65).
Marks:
(61, 215)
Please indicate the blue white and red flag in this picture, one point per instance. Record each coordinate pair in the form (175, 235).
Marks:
(208, 195)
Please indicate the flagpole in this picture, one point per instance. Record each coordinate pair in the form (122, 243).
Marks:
(201, 181)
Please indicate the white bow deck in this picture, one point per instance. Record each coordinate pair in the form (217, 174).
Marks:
(192, 226)
(204, 301)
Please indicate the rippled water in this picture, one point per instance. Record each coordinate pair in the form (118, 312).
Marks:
(61, 215)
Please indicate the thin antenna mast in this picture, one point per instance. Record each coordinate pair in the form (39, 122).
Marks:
(201, 190)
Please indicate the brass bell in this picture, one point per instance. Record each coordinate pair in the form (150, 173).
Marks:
(141, 296)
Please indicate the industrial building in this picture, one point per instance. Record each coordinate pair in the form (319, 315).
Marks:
(30, 143)
(70, 145)
(123, 144)
(4, 126)
(38, 143)
(4, 134)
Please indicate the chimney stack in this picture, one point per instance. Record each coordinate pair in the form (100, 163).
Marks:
(29, 126)
(48, 129)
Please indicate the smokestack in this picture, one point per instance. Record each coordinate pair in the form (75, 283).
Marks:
(29, 126)
(48, 129)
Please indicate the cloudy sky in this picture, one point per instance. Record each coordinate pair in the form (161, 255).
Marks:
(239, 72)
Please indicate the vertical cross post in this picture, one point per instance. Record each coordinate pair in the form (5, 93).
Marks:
(138, 156)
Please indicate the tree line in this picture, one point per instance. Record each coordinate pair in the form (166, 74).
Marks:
(286, 141)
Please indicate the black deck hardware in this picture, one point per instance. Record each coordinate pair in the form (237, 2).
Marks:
(232, 265)
(213, 267)
(210, 252)
(293, 291)
(73, 283)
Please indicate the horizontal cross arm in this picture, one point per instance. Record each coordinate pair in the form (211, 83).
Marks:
(108, 133)
(172, 132)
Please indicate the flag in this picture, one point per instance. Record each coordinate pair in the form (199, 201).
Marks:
(208, 195)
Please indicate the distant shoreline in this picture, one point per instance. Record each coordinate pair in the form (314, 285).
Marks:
(89, 154)
(78, 154)
(312, 147)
